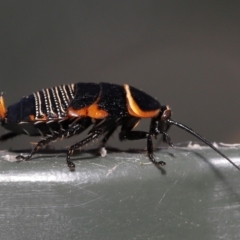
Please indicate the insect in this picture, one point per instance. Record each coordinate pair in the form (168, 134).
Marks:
(67, 110)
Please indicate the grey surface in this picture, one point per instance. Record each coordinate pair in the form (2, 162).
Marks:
(184, 53)
(196, 196)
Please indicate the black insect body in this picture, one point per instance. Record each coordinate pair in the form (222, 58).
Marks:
(67, 110)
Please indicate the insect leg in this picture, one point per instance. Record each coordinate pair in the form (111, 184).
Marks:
(40, 144)
(127, 134)
(157, 127)
(99, 129)
(71, 131)
(102, 150)
(108, 135)
(77, 127)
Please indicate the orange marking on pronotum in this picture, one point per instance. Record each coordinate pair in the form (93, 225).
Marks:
(135, 110)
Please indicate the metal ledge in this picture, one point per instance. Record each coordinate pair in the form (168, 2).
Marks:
(195, 196)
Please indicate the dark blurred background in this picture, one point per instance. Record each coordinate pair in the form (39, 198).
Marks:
(184, 53)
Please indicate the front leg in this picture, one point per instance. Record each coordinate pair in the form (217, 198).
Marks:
(137, 135)
(156, 128)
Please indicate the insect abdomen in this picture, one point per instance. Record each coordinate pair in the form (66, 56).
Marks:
(52, 103)
(21, 110)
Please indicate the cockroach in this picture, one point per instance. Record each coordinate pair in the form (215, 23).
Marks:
(67, 110)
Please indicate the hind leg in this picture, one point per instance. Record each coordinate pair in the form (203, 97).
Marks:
(77, 128)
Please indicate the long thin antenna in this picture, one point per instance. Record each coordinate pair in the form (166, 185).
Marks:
(180, 125)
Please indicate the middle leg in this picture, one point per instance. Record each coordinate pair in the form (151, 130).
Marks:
(99, 129)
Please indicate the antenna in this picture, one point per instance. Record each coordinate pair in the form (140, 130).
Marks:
(180, 125)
